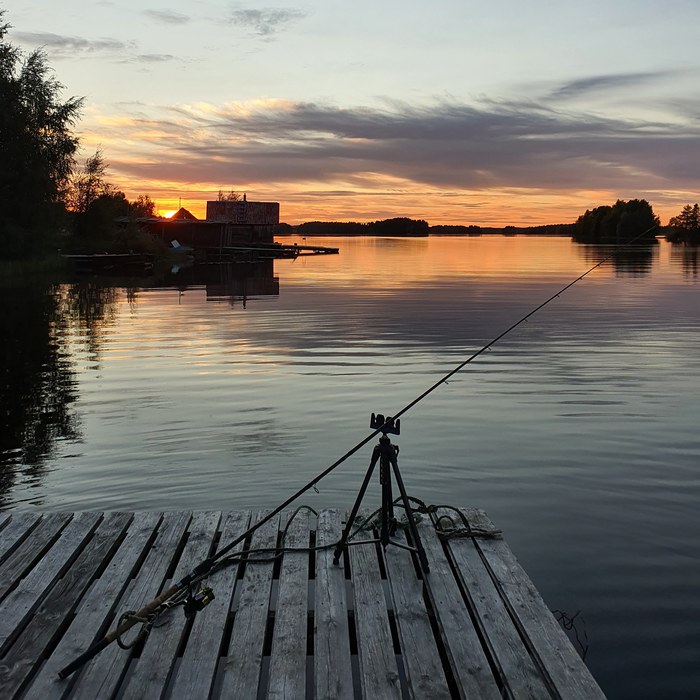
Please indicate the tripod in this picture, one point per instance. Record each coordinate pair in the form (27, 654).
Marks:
(386, 454)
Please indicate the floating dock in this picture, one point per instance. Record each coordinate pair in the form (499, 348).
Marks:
(293, 626)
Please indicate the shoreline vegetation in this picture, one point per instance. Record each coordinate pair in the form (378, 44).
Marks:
(52, 206)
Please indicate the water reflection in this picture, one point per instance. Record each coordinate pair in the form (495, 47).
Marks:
(630, 261)
(686, 257)
(37, 384)
(232, 283)
(46, 325)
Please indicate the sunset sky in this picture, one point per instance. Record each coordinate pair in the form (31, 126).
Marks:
(507, 112)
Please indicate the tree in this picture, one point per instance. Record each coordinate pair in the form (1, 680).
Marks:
(688, 219)
(143, 207)
(685, 228)
(37, 146)
(88, 184)
(620, 223)
(230, 196)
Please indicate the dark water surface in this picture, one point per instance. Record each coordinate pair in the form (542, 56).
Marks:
(578, 433)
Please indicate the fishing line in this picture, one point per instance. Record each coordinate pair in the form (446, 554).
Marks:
(206, 566)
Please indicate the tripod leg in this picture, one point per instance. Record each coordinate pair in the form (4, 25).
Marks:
(388, 521)
(343, 541)
(422, 558)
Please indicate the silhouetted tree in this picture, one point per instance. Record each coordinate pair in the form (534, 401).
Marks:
(37, 147)
(142, 207)
(88, 184)
(685, 228)
(620, 223)
(230, 196)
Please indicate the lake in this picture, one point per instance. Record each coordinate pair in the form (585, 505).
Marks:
(231, 387)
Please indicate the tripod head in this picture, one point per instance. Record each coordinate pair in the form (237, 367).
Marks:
(386, 425)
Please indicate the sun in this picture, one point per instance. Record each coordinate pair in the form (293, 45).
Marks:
(169, 213)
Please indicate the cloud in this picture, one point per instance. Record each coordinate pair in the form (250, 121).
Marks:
(453, 150)
(167, 16)
(621, 81)
(154, 58)
(266, 22)
(71, 45)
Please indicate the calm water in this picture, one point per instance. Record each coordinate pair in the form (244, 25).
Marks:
(578, 433)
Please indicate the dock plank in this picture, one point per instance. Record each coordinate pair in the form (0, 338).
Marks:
(31, 550)
(467, 657)
(518, 671)
(333, 670)
(195, 676)
(96, 609)
(14, 531)
(31, 646)
(379, 673)
(101, 676)
(573, 681)
(421, 659)
(288, 657)
(241, 669)
(149, 676)
(18, 604)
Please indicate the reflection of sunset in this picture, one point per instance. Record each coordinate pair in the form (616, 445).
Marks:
(369, 263)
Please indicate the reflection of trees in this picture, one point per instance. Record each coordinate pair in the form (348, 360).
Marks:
(37, 374)
(91, 308)
(686, 257)
(37, 383)
(628, 260)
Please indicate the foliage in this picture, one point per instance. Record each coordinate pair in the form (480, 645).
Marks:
(143, 207)
(88, 184)
(685, 228)
(230, 196)
(37, 148)
(620, 223)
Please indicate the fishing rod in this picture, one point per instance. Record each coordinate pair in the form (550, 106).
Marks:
(199, 572)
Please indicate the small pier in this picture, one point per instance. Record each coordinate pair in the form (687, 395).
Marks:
(287, 627)
(261, 251)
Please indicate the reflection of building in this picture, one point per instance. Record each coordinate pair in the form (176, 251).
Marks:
(228, 224)
(226, 282)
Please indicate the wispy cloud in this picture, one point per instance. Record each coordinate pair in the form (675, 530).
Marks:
(167, 16)
(70, 45)
(267, 21)
(598, 83)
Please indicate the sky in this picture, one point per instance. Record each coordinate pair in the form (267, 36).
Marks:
(511, 112)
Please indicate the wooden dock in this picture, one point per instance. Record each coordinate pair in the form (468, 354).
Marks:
(295, 626)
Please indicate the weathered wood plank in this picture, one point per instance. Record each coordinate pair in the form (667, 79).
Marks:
(379, 675)
(241, 669)
(96, 609)
(18, 527)
(468, 661)
(18, 604)
(31, 550)
(30, 648)
(288, 657)
(195, 677)
(149, 676)
(567, 671)
(518, 671)
(101, 676)
(424, 673)
(333, 670)
(5, 518)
